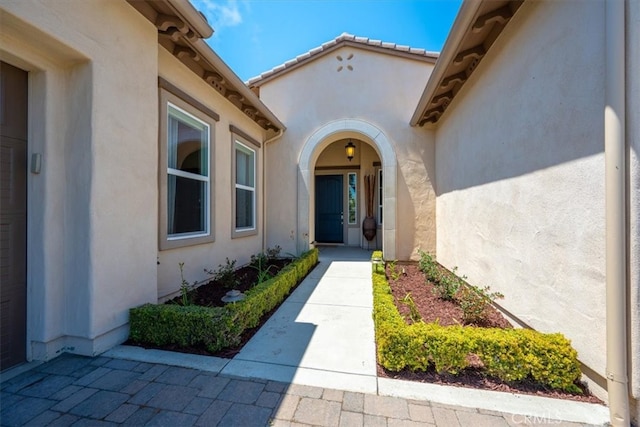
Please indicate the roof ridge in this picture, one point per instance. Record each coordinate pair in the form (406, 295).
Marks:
(344, 37)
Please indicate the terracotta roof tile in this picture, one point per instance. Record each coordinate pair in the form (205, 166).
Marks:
(342, 38)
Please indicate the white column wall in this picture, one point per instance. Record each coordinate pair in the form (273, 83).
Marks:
(92, 210)
(633, 190)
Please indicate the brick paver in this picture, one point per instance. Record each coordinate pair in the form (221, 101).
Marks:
(101, 391)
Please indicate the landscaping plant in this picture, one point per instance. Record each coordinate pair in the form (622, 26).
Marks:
(474, 302)
(446, 284)
(215, 328)
(185, 288)
(508, 354)
(225, 274)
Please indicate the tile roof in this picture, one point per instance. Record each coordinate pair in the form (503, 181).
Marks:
(343, 38)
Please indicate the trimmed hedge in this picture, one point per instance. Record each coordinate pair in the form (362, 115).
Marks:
(215, 328)
(509, 354)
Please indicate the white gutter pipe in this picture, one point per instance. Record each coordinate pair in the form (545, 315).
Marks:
(264, 187)
(615, 205)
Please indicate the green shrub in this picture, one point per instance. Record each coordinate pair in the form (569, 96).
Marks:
(475, 301)
(445, 283)
(509, 354)
(225, 274)
(212, 327)
(215, 328)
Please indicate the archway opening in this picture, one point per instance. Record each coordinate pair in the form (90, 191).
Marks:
(323, 155)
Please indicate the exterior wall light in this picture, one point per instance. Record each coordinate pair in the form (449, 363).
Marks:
(350, 150)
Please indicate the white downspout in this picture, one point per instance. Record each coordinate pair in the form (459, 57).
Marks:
(264, 187)
(615, 172)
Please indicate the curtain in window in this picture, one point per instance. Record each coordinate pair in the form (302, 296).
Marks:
(172, 160)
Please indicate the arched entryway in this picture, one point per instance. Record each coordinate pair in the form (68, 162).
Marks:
(321, 139)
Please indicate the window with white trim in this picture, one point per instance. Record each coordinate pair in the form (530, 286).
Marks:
(187, 174)
(245, 188)
(352, 180)
(186, 185)
(380, 196)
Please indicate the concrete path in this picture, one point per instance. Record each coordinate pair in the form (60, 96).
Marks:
(311, 364)
(322, 335)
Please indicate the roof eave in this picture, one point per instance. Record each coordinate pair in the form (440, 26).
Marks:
(190, 18)
(464, 19)
(216, 62)
(180, 27)
(477, 26)
(190, 14)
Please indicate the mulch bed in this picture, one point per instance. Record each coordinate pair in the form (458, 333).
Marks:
(431, 308)
(210, 295)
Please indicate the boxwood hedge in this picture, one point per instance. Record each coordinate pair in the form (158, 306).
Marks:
(215, 328)
(509, 354)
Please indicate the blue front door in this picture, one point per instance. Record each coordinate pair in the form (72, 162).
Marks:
(329, 210)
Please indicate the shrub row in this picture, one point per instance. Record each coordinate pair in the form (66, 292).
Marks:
(509, 354)
(215, 328)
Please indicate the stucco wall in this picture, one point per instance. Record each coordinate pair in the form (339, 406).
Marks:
(381, 90)
(633, 190)
(520, 173)
(211, 255)
(92, 230)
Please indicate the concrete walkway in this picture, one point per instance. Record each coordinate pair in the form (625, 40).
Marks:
(312, 363)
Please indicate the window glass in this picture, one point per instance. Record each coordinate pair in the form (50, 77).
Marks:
(245, 188)
(244, 165)
(187, 174)
(187, 201)
(380, 196)
(187, 143)
(353, 198)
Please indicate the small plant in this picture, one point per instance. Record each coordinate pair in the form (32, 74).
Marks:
(266, 257)
(474, 302)
(428, 265)
(393, 270)
(225, 274)
(414, 314)
(185, 288)
(273, 253)
(264, 274)
(258, 259)
(446, 284)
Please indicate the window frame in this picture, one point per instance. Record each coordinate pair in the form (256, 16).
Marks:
(241, 139)
(380, 197)
(355, 198)
(169, 100)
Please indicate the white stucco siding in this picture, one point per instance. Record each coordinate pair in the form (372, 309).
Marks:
(22, 45)
(520, 173)
(124, 194)
(381, 90)
(210, 255)
(92, 232)
(633, 190)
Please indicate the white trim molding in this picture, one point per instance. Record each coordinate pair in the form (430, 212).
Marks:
(315, 144)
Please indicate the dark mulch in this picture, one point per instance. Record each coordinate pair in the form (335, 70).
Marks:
(211, 293)
(410, 280)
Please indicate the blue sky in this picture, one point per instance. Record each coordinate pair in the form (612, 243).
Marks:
(253, 36)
